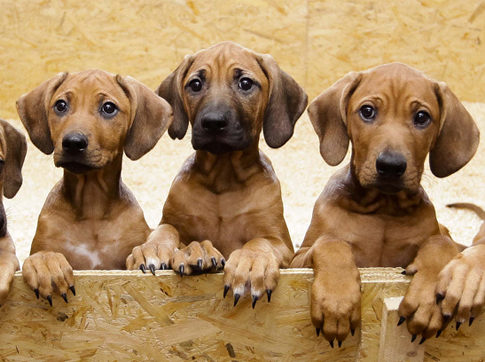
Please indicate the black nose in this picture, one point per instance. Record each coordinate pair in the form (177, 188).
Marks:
(214, 121)
(391, 164)
(74, 143)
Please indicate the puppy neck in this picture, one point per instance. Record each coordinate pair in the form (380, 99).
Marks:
(90, 194)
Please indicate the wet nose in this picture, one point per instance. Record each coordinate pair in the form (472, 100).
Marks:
(74, 143)
(214, 122)
(391, 164)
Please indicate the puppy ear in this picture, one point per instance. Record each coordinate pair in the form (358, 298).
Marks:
(33, 110)
(14, 159)
(328, 116)
(171, 89)
(458, 139)
(287, 101)
(150, 117)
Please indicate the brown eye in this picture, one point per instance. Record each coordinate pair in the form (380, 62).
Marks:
(245, 84)
(367, 113)
(61, 107)
(422, 119)
(195, 85)
(108, 110)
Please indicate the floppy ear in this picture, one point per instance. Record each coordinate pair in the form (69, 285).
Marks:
(150, 117)
(33, 108)
(328, 114)
(14, 159)
(287, 101)
(458, 139)
(171, 89)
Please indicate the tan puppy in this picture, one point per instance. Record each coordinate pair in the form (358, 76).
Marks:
(374, 212)
(226, 200)
(90, 219)
(12, 154)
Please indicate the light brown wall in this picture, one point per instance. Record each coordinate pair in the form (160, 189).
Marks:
(315, 41)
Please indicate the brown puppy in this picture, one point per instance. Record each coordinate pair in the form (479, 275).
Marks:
(226, 200)
(374, 211)
(90, 219)
(12, 154)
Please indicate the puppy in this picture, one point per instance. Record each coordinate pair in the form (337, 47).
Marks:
(13, 149)
(226, 201)
(374, 211)
(90, 219)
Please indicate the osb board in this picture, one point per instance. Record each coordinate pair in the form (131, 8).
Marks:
(128, 315)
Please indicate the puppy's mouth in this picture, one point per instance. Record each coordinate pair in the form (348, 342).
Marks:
(389, 188)
(75, 167)
(219, 144)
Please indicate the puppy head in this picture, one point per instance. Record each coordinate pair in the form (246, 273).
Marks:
(13, 149)
(394, 116)
(228, 94)
(88, 118)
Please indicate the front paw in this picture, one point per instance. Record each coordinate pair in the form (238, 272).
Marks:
(151, 255)
(335, 307)
(461, 285)
(251, 270)
(47, 272)
(197, 258)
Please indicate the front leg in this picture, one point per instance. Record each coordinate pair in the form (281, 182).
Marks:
(419, 305)
(256, 267)
(8, 265)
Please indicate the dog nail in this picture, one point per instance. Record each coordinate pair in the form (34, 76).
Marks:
(439, 298)
(403, 272)
(339, 344)
(352, 331)
(199, 264)
(318, 331)
(214, 262)
(331, 343)
(181, 270)
(268, 293)
(73, 290)
(422, 340)
(142, 268)
(236, 298)
(163, 266)
(223, 262)
(36, 291)
(49, 299)
(401, 321)
(439, 333)
(470, 322)
(152, 268)
(446, 318)
(413, 338)
(226, 289)
(458, 324)
(64, 296)
(255, 299)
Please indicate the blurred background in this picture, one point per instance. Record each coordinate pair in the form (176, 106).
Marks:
(317, 42)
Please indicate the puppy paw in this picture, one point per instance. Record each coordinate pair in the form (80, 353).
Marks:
(151, 255)
(335, 307)
(47, 272)
(197, 258)
(461, 285)
(253, 271)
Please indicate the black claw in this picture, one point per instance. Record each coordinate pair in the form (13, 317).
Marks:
(73, 290)
(199, 264)
(226, 289)
(181, 269)
(163, 266)
(142, 268)
(331, 343)
(318, 331)
(446, 318)
(223, 262)
(422, 340)
(255, 299)
(49, 299)
(458, 324)
(214, 262)
(470, 322)
(339, 344)
(236, 298)
(268, 293)
(152, 268)
(413, 338)
(403, 272)
(401, 321)
(439, 333)
(352, 331)
(36, 291)
(439, 298)
(64, 296)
